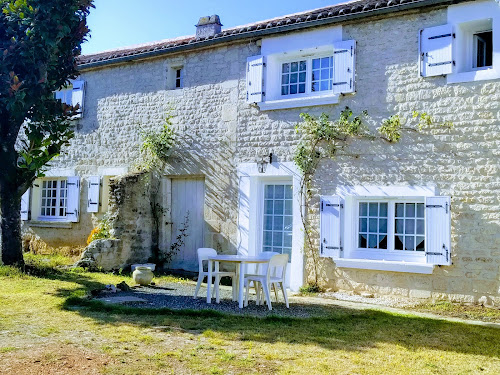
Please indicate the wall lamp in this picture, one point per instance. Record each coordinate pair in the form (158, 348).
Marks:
(262, 164)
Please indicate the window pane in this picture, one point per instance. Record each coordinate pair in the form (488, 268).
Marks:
(285, 68)
(363, 225)
(420, 226)
(294, 78)
(302, 88)
(382, 224)
(288, 192)
(302, 66)
(410, 243)
(268, 206)
(278, 223)
(325, 85)
(410, 226)
(284, 90)
(287, 240)
(279, 191)
(285, 79)
(382, 242)
(372, 241)
(315, 86)
(268, 238)
(363, 209)
(288, 223)
(293, 89)
(269, 191)
(383, 209)
(373, 227)
(316, 64)
(420, 210)
(268, 222)
(420, 244)
(265, 248)
(400, 209)
(277, 238)
(362, 241)
(288, 207)
(302, 77)
(398, 242)
(410, 210)
(278, 207)
(294, 66)
(373, 209)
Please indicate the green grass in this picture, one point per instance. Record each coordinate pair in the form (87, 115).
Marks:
(45, 309)
(460, 310)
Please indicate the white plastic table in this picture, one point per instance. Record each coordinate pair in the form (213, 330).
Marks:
(240, 271)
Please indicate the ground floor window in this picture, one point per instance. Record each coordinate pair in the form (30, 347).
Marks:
(54, 198)
(278, 218)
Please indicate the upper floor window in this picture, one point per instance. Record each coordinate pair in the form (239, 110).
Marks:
(483, 49)
(73, 95)
(179, 78)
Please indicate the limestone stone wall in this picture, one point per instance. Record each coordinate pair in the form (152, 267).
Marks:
(218, 130)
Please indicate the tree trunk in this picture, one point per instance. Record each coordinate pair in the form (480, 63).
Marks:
(10, 228)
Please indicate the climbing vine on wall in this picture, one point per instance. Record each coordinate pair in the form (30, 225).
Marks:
(157, 145)
(322, 138)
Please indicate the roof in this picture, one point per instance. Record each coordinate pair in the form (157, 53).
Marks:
(322, 16)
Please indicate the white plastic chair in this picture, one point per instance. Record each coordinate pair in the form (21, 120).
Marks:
(262, 271)
(203, 254)
(276, 274)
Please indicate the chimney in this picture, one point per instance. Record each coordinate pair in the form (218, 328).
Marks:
(208, 26)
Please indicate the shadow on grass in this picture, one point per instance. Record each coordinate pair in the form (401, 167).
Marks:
(338, 328)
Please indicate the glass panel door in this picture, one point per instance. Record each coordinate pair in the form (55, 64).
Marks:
(278, 219)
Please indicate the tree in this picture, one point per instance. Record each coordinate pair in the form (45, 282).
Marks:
(39, 43)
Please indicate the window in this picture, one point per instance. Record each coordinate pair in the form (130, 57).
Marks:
(395, 226)
(293, 78)
(179, 78)
(310, 76)
(483, 49)
(73, 95)
(278, 218)
(54, 198)
(386, 228)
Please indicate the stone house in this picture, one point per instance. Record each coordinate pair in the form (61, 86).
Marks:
(418, 218)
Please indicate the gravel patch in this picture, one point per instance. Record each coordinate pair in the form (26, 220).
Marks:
(390, 301)
(179, 296)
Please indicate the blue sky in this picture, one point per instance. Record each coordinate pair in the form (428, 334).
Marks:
(120, 23)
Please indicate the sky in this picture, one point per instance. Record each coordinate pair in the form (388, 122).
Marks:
(121, 23)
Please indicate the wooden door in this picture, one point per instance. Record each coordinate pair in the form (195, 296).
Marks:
(188, 200)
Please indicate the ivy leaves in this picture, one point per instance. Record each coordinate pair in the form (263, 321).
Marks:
(157, 145)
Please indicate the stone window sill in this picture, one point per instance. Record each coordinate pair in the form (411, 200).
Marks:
(473, 76)
(385, 265)
(50, 224)
(298, 102)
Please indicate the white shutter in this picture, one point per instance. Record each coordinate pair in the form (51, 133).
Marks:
(73, 205)
(255, 79)
(78, 94)
(330, 224)
(25, 205)
(438, 230)
(344, 54)
(94, 189)
(436, 51)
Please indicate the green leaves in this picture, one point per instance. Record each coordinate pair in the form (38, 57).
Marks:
(157, 145)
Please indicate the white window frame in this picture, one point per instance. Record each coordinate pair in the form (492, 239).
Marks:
(468, 19)
(390, 253)
(58, 197)
(262, 213)
(309, 71)
(475, 38)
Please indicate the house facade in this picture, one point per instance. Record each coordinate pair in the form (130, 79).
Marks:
(418, 218)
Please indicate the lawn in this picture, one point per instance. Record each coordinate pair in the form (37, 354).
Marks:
(46, 328)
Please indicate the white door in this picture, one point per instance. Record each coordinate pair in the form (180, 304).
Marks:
(188, 199)
(277, 223)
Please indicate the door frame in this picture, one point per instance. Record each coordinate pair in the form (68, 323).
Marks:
(251, 184)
